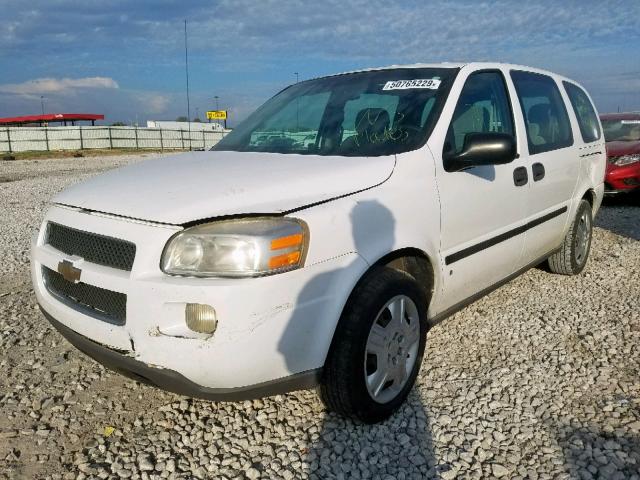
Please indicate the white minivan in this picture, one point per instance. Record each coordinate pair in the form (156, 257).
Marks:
(319, 241)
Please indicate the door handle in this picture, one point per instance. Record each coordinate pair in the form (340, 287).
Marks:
(520, 176)
(538, 171)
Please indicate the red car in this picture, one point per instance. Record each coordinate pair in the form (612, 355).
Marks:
(622, 134)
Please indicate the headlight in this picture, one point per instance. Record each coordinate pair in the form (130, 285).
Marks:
(626, 159)
(237, 248)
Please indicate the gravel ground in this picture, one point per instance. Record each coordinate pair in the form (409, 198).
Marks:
(540, 379)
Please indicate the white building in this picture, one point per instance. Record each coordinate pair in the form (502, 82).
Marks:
(195, 126)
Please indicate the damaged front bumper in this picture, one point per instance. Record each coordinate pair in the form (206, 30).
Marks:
(125, 364)
(269, 328)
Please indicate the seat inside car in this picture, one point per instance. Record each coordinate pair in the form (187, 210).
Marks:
(370, 126)
(474, 119)
(633, 133)
(543, 124)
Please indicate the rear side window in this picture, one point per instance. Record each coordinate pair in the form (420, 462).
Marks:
(545, 114)
(585, 113)
(483, 107)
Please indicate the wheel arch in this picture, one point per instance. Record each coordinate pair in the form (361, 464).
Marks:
(410, 260)
(591, 196)
(414, 262)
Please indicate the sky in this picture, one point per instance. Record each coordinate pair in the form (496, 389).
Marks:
(126, 59)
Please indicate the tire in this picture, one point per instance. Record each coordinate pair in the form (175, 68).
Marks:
(574, 252)
(352, 371)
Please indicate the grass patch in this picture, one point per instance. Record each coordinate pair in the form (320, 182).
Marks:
(57, 154)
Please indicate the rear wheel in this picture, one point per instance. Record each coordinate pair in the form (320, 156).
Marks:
(377, 348)
(572, 256)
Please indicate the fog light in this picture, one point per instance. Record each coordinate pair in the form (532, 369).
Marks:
(201, 318)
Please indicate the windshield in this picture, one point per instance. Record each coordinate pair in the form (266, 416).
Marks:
(371, 113)
(621, 130)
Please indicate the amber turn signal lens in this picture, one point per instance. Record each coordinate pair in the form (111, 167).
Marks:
(286, 242)
(285, 260)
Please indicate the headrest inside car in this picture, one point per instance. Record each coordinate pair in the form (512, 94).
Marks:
(372, 121)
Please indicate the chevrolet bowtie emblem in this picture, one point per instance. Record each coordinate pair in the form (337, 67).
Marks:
(69, 272)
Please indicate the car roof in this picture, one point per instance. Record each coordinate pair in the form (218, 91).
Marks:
(412, 65)
(620, 116)
(470, 65)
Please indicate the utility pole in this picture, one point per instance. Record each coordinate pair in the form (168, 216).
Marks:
(42, 103)
(297, 107)
(217, 98)
(186, 68)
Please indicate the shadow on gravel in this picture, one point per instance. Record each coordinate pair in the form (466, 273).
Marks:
(627, 222)
(398, 448)
(593, 453)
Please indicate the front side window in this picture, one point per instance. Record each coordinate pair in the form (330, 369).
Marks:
(546, 117)
(372, 113)
(483, 107)
(585, 113)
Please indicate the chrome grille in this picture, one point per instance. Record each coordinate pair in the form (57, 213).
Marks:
(95, 301)
(94, 248)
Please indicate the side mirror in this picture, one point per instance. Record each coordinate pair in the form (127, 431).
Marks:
(482, 149)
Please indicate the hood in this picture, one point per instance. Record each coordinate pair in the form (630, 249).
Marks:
(198, 185)
(617, 149)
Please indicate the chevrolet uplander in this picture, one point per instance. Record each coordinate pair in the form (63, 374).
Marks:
(317, 243)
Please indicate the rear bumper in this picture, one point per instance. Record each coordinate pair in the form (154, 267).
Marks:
(172, 381)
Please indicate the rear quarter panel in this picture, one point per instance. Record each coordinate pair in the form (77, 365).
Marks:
(592, 156)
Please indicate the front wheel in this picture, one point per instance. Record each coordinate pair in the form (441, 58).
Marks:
(572, 256)
(377, 348)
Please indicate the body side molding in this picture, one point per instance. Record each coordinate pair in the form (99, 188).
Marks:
(466, 252)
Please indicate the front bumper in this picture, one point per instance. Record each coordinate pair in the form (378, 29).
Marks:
(622, 179)
(269, 328)
(175, 382)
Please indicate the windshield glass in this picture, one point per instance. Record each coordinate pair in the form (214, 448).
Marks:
(621, 130)
(359, 114)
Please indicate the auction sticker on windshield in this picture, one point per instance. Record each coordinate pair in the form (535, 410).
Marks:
(432, 83)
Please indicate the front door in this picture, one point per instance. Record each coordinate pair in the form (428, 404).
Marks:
(483, 207)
